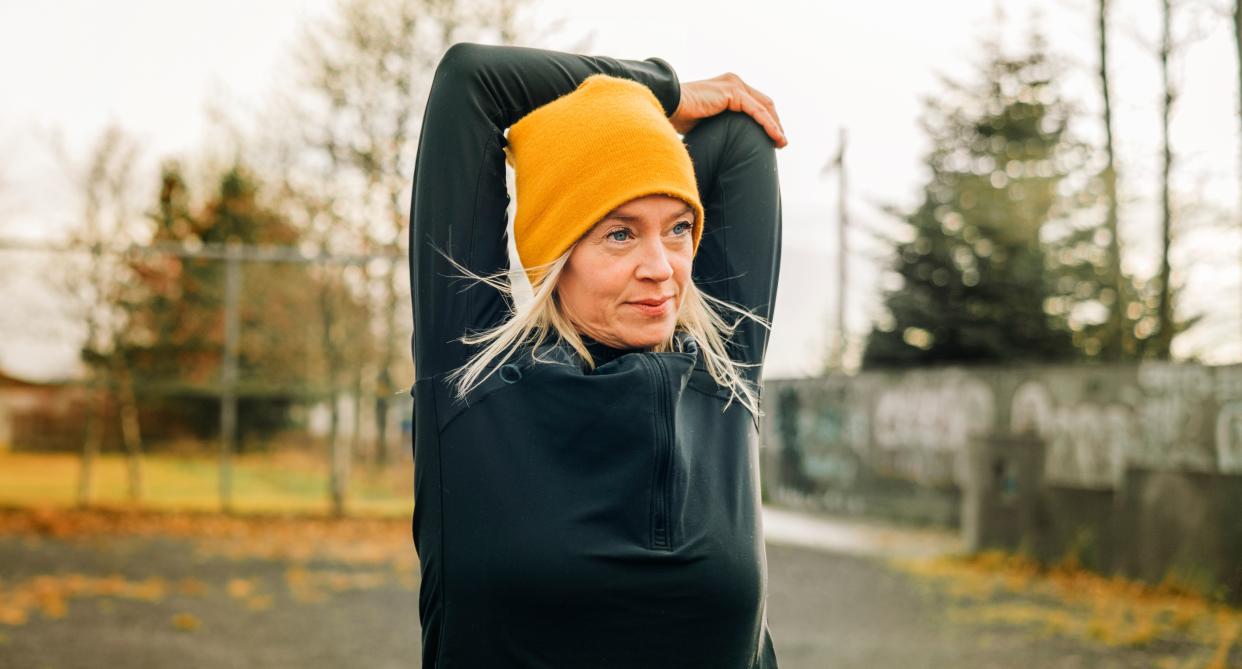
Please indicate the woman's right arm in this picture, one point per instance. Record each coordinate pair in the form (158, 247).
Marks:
(459, 199)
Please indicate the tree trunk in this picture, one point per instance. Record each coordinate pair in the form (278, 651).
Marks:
(1120, 340)
(338, 450)
(355, 435)
(93, 438)
(382, 404)
(1164, 310)
(131, 432)
(384, 387)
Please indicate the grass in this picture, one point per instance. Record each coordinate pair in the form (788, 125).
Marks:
(1067, 600)
(285, 482)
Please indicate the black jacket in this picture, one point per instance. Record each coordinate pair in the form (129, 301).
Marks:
(568, 518)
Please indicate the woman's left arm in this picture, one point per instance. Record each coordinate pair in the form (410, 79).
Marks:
(734, 156)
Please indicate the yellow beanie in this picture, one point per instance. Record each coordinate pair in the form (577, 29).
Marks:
(586, 153)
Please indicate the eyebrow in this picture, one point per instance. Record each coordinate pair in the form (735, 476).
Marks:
(628, 218)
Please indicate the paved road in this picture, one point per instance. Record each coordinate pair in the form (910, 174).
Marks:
(828, 608)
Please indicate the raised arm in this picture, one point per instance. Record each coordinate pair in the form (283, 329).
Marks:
(459, 198)
(740, 254)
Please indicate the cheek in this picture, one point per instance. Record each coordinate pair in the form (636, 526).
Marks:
(592, 285)
(682, 271)
(608, 285)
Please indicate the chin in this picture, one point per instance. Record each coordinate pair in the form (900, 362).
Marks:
(650, 336)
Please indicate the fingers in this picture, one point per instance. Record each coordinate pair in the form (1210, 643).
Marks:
(701, 99)
(761, 107)
(767, 102)
(765, 114)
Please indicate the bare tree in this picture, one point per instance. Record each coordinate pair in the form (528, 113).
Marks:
(1169, 49)
(1119, 337)
(359, 68)
(1164, 308)
(97, 294)
(306, 195)
(350, 131)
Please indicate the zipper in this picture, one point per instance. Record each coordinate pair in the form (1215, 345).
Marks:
(661, 530)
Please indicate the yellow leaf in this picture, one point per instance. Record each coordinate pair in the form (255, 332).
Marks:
(192, 587)
(259, 602)
(240, 587)
(186, 622)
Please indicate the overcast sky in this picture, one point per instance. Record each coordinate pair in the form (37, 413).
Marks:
(155, 66)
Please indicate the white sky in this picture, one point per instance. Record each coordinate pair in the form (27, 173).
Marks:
(71, 66)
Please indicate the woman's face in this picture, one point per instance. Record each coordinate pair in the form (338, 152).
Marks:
(625, 280)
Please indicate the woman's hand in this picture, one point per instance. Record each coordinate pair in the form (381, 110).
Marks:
(708, 97)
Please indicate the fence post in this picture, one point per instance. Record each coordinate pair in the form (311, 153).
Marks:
(228, 373)
(1001, 484)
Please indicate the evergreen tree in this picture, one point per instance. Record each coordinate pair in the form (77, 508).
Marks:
(974, 276)
(178, 306)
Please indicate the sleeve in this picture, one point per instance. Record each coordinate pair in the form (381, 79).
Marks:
(740, 254)
(459, 200)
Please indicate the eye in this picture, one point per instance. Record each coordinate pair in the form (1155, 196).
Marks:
(677, 229)
(618, 231)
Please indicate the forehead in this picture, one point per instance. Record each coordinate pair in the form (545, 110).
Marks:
(658, 207)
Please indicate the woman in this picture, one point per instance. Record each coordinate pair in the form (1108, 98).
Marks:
(586, 465)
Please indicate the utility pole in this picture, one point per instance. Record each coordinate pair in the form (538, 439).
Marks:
(836, 359)
(1237, 43)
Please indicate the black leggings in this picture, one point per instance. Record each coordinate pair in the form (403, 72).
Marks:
(459, 198)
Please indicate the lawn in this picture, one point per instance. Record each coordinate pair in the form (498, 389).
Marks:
(285, 482)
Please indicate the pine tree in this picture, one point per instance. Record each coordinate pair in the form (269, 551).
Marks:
(974, 275)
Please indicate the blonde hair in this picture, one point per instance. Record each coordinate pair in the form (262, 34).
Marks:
(700, 317)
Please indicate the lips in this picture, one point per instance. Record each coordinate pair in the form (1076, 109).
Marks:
(652, 303)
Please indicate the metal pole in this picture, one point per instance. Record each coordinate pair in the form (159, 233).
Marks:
(228, 374)
(836, 356)
(843, 222)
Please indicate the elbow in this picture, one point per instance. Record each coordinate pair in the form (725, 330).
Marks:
(461, 61)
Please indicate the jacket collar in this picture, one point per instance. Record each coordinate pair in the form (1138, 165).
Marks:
(603, 353)
(561, 351)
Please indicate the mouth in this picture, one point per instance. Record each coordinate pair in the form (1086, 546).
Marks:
(653, 307)
(654, 302)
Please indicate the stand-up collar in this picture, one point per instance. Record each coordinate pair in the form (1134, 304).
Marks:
(603, 353)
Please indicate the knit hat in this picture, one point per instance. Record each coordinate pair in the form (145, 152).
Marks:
(586, 153)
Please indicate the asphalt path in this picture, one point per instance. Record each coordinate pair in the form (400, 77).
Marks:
(834, 602)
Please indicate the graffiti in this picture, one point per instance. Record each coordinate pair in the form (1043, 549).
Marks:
(793, 473)
(1175, 379)
(1229, 438)
(923, 424)
(1174, 414)
(1084, 442)
(1094, 422)
(831, 458)
(933, 412)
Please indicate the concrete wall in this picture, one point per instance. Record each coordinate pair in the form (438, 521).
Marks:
(1134, 469)
(1184, 526)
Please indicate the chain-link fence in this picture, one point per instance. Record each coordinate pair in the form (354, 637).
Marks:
(239, 348)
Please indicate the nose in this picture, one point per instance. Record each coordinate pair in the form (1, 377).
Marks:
(653, 262)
